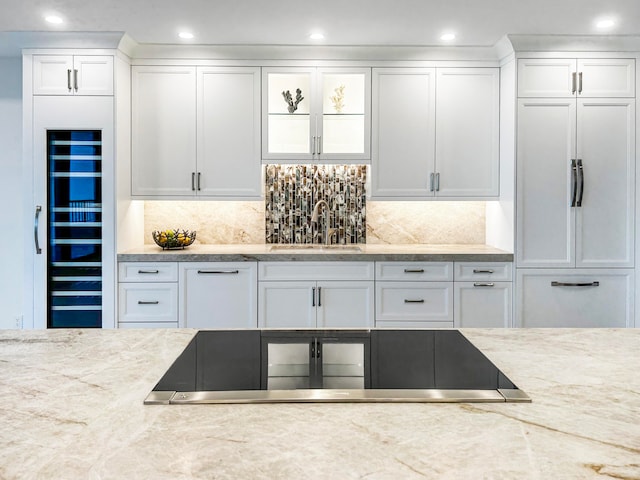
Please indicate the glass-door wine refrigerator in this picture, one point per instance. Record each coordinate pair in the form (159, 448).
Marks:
(74, 202)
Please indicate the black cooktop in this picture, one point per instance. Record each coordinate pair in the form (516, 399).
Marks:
(318, 365)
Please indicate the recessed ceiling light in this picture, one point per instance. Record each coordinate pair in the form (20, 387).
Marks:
(55, 19)
(605, 23)
(316, 36)
(447, 37)
(186, 35)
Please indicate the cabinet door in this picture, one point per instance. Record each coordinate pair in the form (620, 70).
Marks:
(546, 77)
(467, 132)
(93, 75)
(482, 304)
(287, 304)
(52, 75)
(545, 218)
(345, 304)
(218, 295)
(403, 132)
(606, 146)
(289, 125)
(163, 138)
(565, 298)
(229, 132)
(344, 120)
(610, 77)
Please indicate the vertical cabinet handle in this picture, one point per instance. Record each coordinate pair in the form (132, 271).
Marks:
(313, 296)
(437, 182)
(574, 182)
(573, 83)
(431, 182)
(198, 183)
(75, 80)
(193, 181)
(69, 80)
(319, 296)
(581, 185)
(580, 82)
(319, 144)
(36, 220)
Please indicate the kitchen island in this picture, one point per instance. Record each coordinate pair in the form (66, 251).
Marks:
(72, 408)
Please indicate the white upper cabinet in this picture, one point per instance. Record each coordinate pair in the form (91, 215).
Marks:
(73, 75)
(196, 132)
(435, 133)
(403, 132)
(467, 132)
(163, 142)
(316, 114)
(568, 77)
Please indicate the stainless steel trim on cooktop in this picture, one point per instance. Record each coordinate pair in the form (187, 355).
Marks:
(337, 396)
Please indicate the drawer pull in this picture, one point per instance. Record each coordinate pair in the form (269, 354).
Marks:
(483, 284)
(565, 284)
(413, 301)
(217, 272)
(143, 272)
(142, 302)
(412, 270)
(477, 270)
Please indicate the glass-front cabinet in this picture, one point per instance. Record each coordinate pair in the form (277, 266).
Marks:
(316, 114)
(315, 359)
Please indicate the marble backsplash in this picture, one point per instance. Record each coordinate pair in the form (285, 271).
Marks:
(387, 222)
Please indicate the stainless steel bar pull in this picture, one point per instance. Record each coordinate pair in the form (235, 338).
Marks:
(573, 82)
(414, 270)
(143, 302)
(75, 80)
(69, 79)
(431, 175)
(319, 144)
(199, 177)
(581, 185)
(313, 296)
(406, 300)
(437, 182)
(577, 284)
(193, 181)
(142, 272)
(36, 221)
(580, 82)
(574, 183)
(484, 284)
(319, 296)
(477, 270)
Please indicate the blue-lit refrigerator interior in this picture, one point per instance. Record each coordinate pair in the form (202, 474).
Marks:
(74, 202)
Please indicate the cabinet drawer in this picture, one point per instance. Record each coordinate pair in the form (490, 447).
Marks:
(412, 325)
(316, 271)
(148, 325)
(414, 271)
(148, 272)
(148, 302)
(482, 272)
(568, 298)
(414, 301)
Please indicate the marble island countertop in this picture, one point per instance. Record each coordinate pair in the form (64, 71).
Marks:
(368, 252)
(72, 408)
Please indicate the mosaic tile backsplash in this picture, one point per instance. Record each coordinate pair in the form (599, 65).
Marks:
(292, 192)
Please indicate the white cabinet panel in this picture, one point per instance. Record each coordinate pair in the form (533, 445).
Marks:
(546, 77)
(287, 304)
(607, 77)
(483, 271)
(467, 132)
(571, 298)
(218, 294)
(148, 272)
(345, 304)
(322, 270)
(545, 219)
(147, 302)
(606, 147)
(229, 132)
(403, 132)
(414, 301)
(163, 131)
(414, 271)
(482, 304)
(149, 325)
(73, 75)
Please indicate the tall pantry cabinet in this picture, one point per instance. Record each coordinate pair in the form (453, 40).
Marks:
(575, 192)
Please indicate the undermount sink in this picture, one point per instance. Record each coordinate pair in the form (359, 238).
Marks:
(314, 247)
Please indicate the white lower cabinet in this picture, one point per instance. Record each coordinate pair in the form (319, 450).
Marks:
(483, 294)
(567, 298)
(315, 294)
(148, 295)
(218, 294)
(414, 294)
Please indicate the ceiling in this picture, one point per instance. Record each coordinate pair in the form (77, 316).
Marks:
(343, 22)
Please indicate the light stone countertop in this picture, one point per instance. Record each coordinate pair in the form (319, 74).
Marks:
(72, 409)
(368, 252)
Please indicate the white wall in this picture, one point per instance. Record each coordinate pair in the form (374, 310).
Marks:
(12, 248)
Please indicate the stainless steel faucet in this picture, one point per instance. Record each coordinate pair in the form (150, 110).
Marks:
(328, 232)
